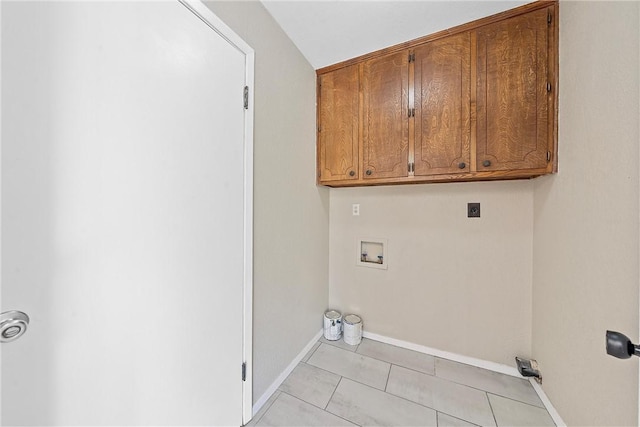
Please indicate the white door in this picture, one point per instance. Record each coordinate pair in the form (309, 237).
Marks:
(126, 215)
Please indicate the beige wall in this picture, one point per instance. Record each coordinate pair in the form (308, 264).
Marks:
(566, 245)
(585, 265)
(291, 213)
(454, 283)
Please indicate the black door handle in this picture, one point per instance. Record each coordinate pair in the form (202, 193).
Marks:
(620, 346)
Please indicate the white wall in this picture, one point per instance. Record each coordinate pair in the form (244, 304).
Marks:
(291, 217)
(585, 265)
(454, 283)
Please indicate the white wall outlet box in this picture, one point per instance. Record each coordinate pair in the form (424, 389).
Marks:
(372, 252)
(355, 209)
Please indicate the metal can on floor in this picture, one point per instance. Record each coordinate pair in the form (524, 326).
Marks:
(352, 329)
(332, 325)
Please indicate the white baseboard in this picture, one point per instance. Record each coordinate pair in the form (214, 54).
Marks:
(283, 376)
(491, 366)
(547, 404)
(485, 364)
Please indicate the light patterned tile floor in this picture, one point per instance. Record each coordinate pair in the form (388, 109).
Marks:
(377, 384)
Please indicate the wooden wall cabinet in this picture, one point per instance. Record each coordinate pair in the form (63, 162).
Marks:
(442, 99)
(338, 125)
(476, 102)
(513, 94)
(385, 139)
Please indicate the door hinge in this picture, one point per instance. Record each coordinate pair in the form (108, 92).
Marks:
(412, 57)
(549, 18)
(548, 156)
(244, 371)
(548, 87)
(246, 97)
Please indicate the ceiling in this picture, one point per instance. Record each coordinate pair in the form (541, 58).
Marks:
(331, 31)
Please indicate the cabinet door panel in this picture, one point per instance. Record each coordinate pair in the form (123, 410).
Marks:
(338, 109)
(443, 106)
(512, 107)
(386, 124)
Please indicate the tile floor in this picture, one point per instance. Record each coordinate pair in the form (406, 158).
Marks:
(376, 384)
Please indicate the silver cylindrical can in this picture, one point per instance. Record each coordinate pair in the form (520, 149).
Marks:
(352, 326)
(332, 325)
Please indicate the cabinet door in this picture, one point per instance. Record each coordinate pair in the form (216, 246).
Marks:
(442, 76)
(386, 122)
(338, 110)
(512, 99)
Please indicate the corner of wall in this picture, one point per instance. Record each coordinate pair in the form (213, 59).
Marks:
(443, 288)
(586, 224)
(291, 214)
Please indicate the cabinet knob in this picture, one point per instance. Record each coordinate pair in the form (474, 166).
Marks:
(368, 172)
(486, 163)
(352, 173)
(462, 165)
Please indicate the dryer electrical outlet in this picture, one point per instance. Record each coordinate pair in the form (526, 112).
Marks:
(473, 210)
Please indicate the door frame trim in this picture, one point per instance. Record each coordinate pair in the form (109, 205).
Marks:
(198, 8)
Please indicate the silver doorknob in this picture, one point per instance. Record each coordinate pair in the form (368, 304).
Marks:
(13, 324)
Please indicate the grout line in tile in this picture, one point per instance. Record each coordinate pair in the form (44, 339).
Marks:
(415, 370)
(390, 363)
(268, 407)
(314, 352)
(429, 407)
(495, 420)
(467, 385)
(435, 374)
(407, 400)
(297, 398)
(357, 345)
(386, 384)
(362, 355)
(519, 401)
(452, 416)
(322, 369)
(402, 348)
(349, 421)
(474, 367)
(496, 394)
(406, 349)
(478, 368)
(301, 400)
(334, 392)
(457, 383)
(323, 410)
(331, 343)
(288, 376)
(419, 372)
(366, 385)
(394, 395)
